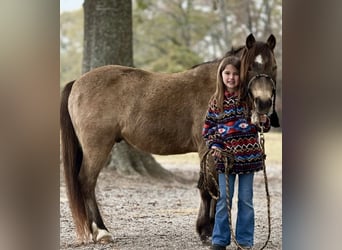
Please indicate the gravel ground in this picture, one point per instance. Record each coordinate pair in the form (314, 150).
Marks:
(144, 213)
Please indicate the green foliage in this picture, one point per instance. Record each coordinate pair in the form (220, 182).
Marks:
(176, 60)
(142, 4)
(71, 45)
(167, 35)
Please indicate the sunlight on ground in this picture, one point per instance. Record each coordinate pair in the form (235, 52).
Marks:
(273, 146)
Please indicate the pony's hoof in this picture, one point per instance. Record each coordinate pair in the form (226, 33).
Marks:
(206, 240)
(101, 235)
(104, 237)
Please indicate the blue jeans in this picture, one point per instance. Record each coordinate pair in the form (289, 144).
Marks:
(245, 216)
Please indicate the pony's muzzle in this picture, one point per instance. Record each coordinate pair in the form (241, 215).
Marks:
(262, 106)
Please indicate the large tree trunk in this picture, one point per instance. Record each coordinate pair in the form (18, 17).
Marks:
(108, 40)
(107, 33)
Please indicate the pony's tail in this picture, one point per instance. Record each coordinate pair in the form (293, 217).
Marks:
(72, 161)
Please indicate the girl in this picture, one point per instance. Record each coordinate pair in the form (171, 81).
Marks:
(228, 128)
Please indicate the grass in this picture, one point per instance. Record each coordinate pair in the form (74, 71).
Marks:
(273, 146)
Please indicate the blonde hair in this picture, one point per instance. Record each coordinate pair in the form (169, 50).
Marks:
(218, 97)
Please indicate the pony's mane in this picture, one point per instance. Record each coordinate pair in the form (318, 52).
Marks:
(208, 62)
(233, 52)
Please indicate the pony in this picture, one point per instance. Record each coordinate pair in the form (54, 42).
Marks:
(259, 72)
(159, 113)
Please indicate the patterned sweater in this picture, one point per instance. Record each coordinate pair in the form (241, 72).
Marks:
(232, 131)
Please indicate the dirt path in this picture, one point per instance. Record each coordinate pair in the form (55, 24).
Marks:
(149, 214)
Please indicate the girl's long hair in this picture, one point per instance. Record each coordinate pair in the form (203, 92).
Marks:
(218, 97)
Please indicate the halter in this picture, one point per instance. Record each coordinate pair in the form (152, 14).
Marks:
(274, 121)
(259, 76)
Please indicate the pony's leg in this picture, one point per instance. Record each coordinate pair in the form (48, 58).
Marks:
(205, 220)
(206, 216)
(94, 159)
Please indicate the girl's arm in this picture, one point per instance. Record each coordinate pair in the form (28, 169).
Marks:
(209, 132)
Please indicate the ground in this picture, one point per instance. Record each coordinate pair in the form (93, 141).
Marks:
(144, 213)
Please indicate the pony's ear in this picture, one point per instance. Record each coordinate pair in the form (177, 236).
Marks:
(250, 40)
(271, 41)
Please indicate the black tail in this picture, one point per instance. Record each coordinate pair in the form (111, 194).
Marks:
(72, 161)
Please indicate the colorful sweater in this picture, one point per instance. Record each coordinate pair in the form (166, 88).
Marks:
(232, 131)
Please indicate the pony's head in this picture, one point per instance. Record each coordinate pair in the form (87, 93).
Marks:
(258, 74)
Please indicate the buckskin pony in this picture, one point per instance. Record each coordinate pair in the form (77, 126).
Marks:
(159, 113)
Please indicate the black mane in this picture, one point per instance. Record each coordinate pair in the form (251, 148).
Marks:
(233, 52)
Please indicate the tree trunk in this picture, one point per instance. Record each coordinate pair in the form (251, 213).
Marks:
(107, 33)
(108, 40)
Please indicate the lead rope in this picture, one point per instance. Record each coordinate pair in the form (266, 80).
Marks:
(262, 142)
(227, 167)
(228, 164)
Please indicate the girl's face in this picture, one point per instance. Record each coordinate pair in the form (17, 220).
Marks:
(231, 78)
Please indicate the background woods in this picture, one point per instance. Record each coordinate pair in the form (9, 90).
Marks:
(171, 36)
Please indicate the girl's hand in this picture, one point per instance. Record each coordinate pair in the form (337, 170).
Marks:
(264, 123)
(263, 118)
(216, 152)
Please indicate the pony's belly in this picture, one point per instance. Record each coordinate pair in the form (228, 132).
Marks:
(157, 136)
(162, 145)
